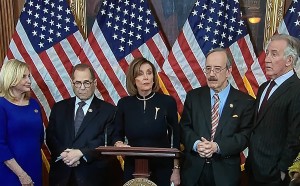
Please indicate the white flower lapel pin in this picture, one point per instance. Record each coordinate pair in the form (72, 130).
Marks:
(156, 111)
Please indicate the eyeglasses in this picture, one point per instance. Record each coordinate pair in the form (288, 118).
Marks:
(86, 84)
(216, 70)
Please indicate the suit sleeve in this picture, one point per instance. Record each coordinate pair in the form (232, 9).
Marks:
(172, 120)
(6, 153)
(292, 146)
(54, 145)
(89, 149)
(118, 124)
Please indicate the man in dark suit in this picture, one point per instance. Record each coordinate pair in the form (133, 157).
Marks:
(274, 142)
(215, 126)
(76, 127)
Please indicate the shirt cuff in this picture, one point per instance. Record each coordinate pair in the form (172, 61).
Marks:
(195, 145)
(218, 148)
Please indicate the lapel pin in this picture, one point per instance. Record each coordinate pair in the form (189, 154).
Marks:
(235, 116)
(231, 105)
(156, 110)
(90, 110)
(36, 110)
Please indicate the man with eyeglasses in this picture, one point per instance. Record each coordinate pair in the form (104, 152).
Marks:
(76, 127)
(275, 142)
(215, 127)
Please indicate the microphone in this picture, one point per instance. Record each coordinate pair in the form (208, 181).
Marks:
(125, 140)
(106, 128)
(105, 136)
(170, 126)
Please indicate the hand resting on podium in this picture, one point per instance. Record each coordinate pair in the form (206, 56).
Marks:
(121, 144)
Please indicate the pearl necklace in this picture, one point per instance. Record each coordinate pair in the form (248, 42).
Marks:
(145, 99)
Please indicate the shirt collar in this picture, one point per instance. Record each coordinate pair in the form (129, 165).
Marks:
(283, 77)
(88, 101)
(222, 93)
(146, 97)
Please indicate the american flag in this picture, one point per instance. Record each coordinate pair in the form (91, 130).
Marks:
(123, 30)
(211, 24)
(48, 39)
(291, 24)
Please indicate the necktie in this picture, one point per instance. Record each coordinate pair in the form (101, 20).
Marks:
(265, 100)
(215, 115)
(79, 116)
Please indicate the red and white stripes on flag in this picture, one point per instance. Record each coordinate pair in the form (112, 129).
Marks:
(211, 24)
(122, 31)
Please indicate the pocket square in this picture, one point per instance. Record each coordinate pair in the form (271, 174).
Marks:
(235, 116)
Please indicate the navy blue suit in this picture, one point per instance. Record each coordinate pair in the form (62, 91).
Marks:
(95, 170)
(274, 142)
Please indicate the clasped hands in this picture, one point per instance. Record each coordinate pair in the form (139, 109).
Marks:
(206, 148)
(71, 157)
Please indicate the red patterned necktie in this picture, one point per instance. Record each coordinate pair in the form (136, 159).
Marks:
(215, 115)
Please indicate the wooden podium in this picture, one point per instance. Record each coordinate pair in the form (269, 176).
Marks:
(141, 155)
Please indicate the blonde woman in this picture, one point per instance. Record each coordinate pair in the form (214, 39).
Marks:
(21, 127)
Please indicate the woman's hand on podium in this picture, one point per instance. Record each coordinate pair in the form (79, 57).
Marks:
(175, 177)
(121, 144)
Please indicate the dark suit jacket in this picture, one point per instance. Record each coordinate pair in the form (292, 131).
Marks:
(231, 135)
(96, 170)
(274, 142)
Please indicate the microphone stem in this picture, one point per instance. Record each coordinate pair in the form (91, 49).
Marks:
(105, 137)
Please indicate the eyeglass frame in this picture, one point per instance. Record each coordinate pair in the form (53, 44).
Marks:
(214, 70)
(83, 83)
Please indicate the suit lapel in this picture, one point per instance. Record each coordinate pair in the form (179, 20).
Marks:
(91, 113)
(258, 98)
(228, 108)
(70, 115)
(206, 107)
(276, 94)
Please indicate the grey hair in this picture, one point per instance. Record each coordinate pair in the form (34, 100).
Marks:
(229, 57)
(293, 46)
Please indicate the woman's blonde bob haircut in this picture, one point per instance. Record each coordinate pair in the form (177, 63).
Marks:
(11, 74)
(132, 73)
